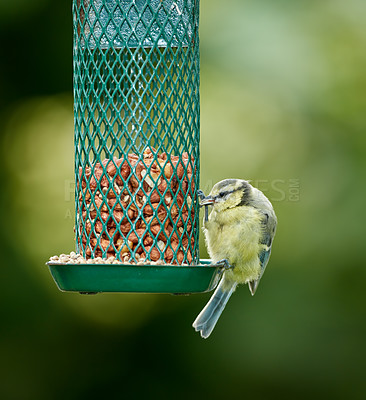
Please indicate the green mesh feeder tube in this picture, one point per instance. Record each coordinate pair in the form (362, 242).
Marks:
(137, 121)
(136, 104)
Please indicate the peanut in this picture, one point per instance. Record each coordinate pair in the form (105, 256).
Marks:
(125, 227)
(134, 237)
(148, 240)
(115, 203)
(154, 253)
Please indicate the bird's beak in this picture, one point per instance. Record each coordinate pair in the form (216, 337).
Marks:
(207, 201)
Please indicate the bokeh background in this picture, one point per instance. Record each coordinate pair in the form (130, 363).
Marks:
(283, 101)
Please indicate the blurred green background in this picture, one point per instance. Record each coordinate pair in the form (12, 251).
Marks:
(283, 100)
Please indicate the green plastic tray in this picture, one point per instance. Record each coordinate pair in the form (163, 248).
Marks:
(127, 278)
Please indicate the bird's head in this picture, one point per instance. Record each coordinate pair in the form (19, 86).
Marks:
(228, 193)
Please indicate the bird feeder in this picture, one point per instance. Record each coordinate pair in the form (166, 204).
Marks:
(136, 116)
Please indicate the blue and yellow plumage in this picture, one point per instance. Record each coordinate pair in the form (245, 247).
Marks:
(239, 231)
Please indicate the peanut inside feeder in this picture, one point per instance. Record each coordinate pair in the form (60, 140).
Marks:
(139, 209)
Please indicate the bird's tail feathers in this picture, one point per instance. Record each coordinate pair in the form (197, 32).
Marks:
(208, 317)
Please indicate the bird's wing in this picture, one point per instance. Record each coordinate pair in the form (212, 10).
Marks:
(266, 240)
(269, 229)
(266, 252)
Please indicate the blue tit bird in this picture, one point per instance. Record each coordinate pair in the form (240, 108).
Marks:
(239, 232)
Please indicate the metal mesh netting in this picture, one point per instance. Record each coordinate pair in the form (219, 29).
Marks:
(136, 106)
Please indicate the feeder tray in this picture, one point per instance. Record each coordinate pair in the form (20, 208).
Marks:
(127, 278)
(137, 159)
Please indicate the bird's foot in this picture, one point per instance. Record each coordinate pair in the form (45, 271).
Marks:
(224, 263)
(205, 218)
(202, 197)
(200, 194)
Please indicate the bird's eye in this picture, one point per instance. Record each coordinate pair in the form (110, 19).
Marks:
(222, 195)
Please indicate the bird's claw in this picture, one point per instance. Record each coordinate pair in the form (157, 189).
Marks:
(224, 263)
(200, 194)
